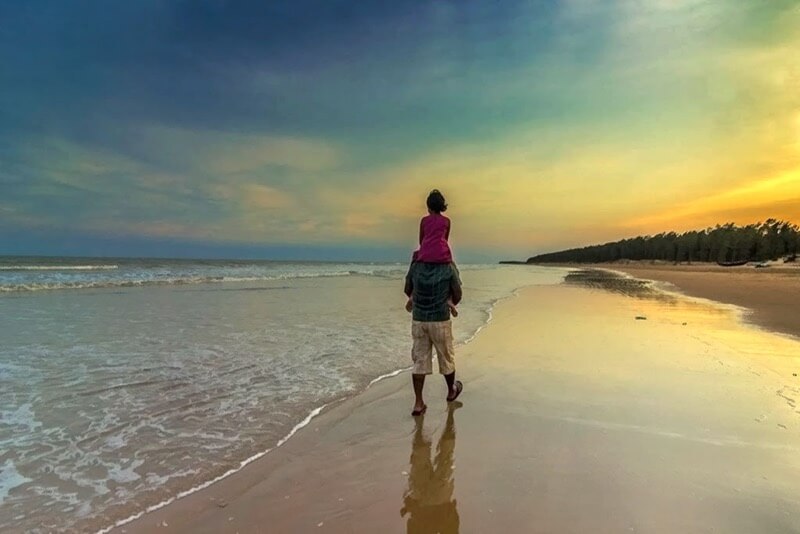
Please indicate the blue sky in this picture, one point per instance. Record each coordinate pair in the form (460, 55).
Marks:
(316, 128)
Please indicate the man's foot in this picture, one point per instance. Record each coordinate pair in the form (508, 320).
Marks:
(409, 305)
(458, 387)
(419, 410)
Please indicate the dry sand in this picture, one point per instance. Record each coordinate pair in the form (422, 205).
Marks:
(576, 417)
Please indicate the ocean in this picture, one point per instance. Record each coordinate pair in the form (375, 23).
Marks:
(127, 382)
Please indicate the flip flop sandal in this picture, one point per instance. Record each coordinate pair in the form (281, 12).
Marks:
(459, 389)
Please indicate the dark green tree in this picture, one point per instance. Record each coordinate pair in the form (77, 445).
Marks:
(768, 240)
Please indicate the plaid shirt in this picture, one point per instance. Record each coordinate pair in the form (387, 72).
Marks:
(430, 285)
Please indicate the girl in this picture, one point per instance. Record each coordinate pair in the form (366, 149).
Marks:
(434, 232)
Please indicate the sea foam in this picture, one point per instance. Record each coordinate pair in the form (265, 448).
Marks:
(10, 479)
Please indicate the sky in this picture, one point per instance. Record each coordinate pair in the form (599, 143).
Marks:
(314, 129)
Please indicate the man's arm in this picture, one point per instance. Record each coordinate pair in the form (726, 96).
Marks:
(455, 287)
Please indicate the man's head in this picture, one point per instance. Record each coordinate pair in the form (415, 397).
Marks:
(436, 202)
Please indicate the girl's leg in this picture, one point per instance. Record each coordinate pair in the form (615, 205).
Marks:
(453, 309)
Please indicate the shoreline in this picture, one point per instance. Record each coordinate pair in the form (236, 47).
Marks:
(321, 450)
(242, 465)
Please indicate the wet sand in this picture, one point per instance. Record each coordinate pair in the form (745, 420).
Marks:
(772, 295)
(576, 417)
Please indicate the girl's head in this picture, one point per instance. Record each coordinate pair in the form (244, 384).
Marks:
(436, 202)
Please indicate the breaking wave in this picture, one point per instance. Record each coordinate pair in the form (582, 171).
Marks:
(126, 282)
(58, 267)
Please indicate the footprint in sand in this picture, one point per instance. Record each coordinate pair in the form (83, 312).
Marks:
(789, 400)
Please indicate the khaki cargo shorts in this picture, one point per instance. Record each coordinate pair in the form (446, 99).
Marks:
(428, 335)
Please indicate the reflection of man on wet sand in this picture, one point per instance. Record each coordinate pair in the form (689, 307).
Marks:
(429, 501)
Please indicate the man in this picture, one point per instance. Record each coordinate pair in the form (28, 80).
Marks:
(430, 285)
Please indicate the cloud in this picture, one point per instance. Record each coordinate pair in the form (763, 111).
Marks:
(247, 154)
(265, 197)
(361, 224)
(231, 153)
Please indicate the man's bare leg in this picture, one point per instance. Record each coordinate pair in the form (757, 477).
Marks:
(419, 384)
(454, 387)
(451, 384)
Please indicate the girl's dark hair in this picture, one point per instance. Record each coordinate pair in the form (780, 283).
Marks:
(436, 202)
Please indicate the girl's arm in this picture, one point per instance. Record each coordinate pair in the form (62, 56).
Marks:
(447, 231)
(421, 230)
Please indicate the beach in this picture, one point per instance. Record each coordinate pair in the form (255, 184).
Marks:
(586, 409)
(771, 295)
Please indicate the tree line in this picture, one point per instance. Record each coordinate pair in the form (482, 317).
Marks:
(728, 243)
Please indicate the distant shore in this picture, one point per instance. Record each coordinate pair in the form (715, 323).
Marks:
(771, 294)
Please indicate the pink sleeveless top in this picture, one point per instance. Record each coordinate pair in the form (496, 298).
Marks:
(434, 230)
